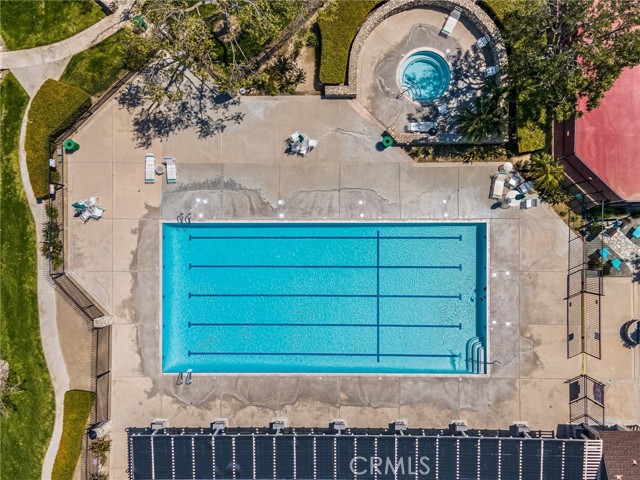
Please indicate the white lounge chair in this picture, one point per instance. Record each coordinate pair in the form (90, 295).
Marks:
(150, 168)
(452, 21)
(491, 71)
(313, 143)
(86, 215)
(525, 187)
(96, 212)
(172, 171)
(443, 109)
(294, 137)
(498, 186)
(304, 149)
(529, 203)
(420, 127)
(483, 42)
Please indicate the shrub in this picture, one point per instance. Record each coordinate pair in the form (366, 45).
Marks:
(100, 448)
(339, 23)
(55, 107)
(77, 406)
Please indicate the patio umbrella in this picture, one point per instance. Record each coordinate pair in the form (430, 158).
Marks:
(79, 206)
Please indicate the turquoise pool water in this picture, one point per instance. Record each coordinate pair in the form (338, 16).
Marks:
(425, 76)
(331, 298)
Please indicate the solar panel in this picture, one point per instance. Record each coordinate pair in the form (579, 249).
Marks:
(574, 462)
(345, 452)
(427, 455)
(223, 456)
(447, 457)
(264, 456)
(324, 453)
(387, 454)
(141, 455)
(510, 458)
(284, 457)
(489, 458)
(162, 457)
(304, 457)
(244, 456)
(204, 459)
(468, 458)
(552, 459)
(183, 457)
(407, 462)
(531, 459)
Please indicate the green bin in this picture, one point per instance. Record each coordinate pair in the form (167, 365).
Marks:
(70, 145)
(387, 140)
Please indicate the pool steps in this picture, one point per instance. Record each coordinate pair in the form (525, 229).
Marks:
(476, 361)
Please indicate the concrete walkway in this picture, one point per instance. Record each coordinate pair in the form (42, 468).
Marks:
(68, 47)
(47, 313)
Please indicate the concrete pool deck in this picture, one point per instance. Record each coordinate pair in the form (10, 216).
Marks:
(244, 172)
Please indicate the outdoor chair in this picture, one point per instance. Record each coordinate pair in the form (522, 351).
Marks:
(96, 212)
(294, 137)
(420, 127)
(635, 233)
(150, 168)
(313, 143)
(529, 203)
(443, 109)
(304, 149)
(525, 187)
(616, 263)
(604, 253)
(452, 21)
(483, 42)
(514, 181)
(85, 215)
(172, 173)
(491, 71)
(498, 186)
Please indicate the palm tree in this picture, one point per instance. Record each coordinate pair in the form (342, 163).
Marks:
(483, 121)
(546, 172)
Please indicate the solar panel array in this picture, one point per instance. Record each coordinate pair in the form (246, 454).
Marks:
(320, 455)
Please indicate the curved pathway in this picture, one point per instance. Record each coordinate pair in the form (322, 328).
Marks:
(68, 47)
(47, 312)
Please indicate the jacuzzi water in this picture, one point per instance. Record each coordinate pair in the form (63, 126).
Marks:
(424, 76)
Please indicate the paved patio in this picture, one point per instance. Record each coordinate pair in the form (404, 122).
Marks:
(245, 175)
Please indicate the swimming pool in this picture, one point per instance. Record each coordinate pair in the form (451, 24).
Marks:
(330, 298)
(424, 75)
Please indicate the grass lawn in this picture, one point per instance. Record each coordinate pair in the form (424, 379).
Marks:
(94, 69)
(54, 108)
(531, 128)
(25, 434)
(28, 24)
(77, 406)
(339, 23)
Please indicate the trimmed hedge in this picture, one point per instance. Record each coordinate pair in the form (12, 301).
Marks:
(77, 406)
(339, 24)
(94, 69)
(55, 107)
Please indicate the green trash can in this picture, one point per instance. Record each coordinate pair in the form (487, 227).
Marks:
(70, 145)
(387, 140)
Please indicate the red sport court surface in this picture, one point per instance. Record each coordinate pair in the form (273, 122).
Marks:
(608, 137)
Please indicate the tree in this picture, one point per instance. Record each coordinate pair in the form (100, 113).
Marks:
(10, 386)
(485, 118)
(562, 49)
(546, 173)
(188, 48)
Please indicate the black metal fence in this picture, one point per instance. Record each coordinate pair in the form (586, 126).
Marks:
(584, 292)
(586, 400)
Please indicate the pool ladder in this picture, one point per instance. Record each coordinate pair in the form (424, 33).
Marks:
(476, 361)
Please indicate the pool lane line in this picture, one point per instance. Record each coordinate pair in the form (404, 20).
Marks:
(273, 324)
(378, 296)
(389, 267)
(326, 354)
(319, 295)
(282, 237)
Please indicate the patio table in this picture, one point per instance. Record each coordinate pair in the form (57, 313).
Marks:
(512, 198)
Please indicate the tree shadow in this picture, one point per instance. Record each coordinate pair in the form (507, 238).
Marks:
(200, 107)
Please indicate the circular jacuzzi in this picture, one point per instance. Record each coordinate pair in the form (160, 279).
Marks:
(424, 75)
